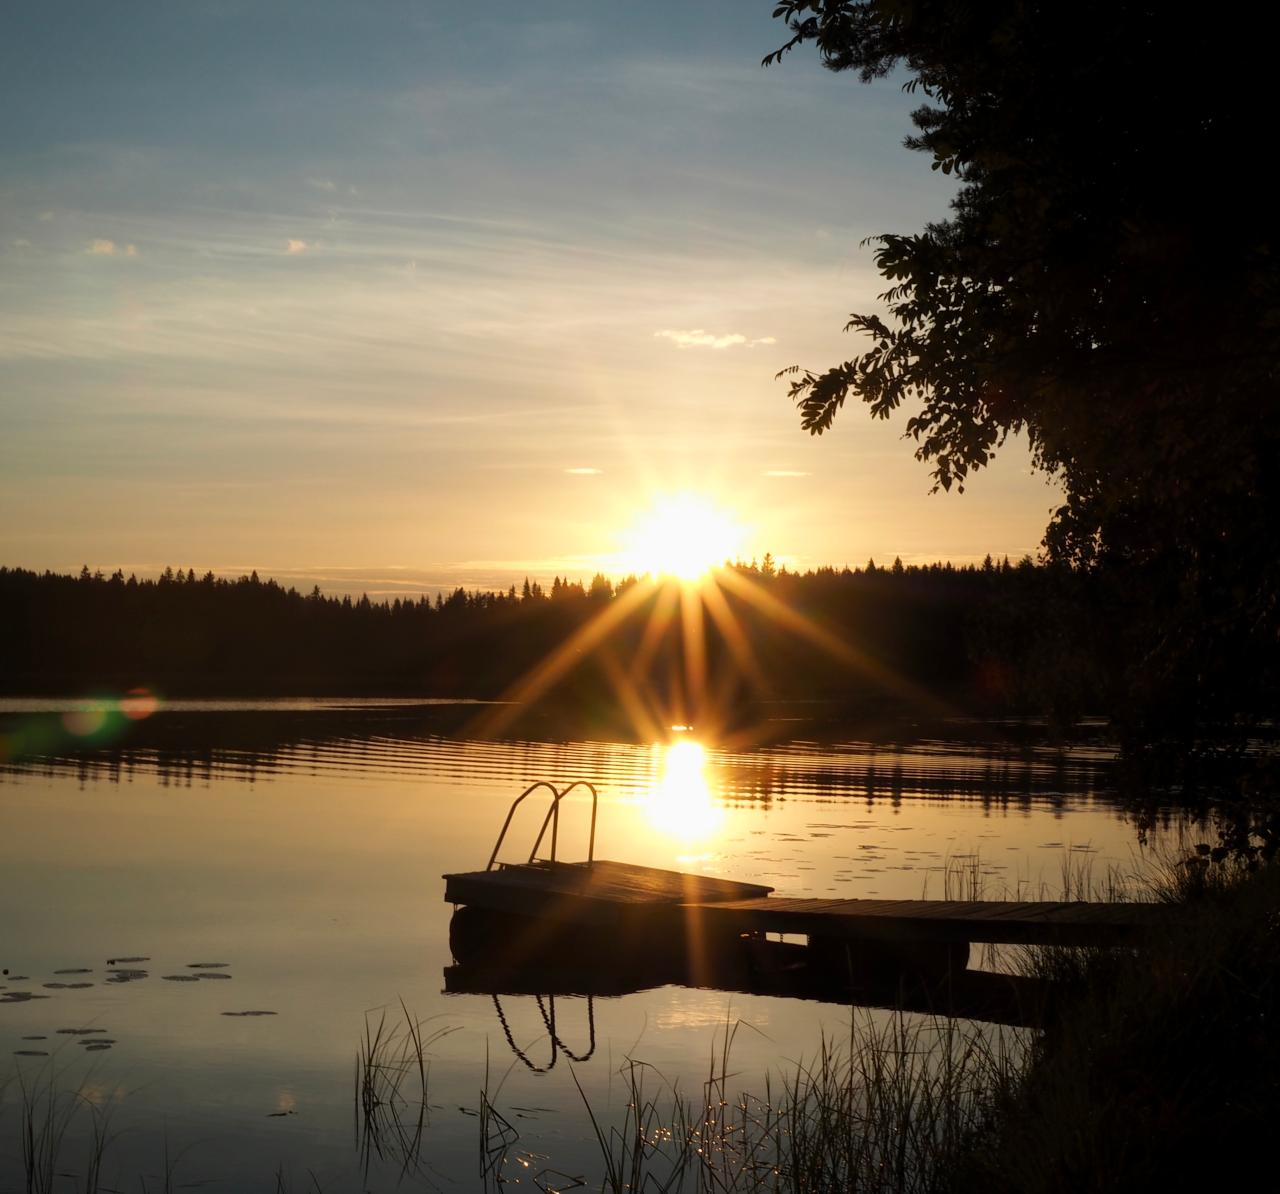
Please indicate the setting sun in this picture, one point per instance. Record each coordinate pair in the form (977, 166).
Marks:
(683, 535)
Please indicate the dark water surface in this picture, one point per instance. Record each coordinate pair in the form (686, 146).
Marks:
(162, 879)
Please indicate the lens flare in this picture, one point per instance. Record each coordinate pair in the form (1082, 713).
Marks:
(139, 703)
(86, 722)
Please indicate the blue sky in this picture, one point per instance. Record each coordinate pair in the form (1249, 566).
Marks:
(344, 290)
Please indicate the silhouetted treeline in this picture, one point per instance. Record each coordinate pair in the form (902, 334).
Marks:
(974, 638)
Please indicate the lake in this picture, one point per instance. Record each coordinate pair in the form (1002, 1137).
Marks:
(165, 873)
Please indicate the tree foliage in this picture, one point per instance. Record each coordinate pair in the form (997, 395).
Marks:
(1106, 285)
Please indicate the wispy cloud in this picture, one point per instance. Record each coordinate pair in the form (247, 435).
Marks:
(785, 472)
(292, 245)
(108, 248)
(584, 472)
(699, 338)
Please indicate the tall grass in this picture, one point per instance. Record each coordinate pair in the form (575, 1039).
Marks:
(1158, 1069)
(497, 1134)
(966, 877)
(46, 1114)
(890, 1109)
(391, 1089)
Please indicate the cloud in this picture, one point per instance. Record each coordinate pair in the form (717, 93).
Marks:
(108, 248)
(296, 246)
(785, 472)
(698, 338)
(584, 472)
(45, 216)
(322, 184)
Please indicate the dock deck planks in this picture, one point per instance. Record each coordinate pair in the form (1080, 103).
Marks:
(603, 893)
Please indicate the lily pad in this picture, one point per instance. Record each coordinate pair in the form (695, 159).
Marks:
(250, 1013)
(207, 965)
(126, 976)
(125, 961)
(30, 1053)
(75, 970)
(213, 974)
(181, 978)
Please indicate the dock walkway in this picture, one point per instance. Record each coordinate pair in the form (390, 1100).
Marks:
(935, 921)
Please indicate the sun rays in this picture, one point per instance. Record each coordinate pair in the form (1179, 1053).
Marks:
(682, 644)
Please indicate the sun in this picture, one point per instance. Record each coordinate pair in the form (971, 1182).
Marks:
(682, 535)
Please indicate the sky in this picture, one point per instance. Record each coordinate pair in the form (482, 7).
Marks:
(391, 296)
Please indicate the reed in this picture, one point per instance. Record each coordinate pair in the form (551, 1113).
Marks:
(890, 1109)
(1156, 1069)
(47, 1112)
(392, 1071)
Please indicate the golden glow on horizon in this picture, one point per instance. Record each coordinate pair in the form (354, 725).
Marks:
(661, 624)
(684, 536)
(681, 805)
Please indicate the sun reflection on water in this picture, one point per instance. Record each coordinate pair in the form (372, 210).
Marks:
(680, 804)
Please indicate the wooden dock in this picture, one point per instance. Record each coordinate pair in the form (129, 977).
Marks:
(620, 895)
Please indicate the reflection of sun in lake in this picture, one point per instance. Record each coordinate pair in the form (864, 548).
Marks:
(680, 804)
(683, 535)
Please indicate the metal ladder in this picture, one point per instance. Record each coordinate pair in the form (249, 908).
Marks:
(552, 819)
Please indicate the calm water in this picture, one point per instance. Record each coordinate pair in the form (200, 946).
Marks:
(301, 844)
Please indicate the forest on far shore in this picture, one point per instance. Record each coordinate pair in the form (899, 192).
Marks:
(995, 637)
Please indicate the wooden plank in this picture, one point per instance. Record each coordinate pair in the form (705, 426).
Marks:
(596, 894)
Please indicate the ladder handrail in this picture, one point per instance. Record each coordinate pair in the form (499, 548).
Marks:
(511, 812)
(552, 818)
(591, 837)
